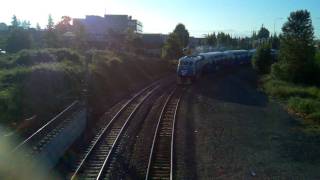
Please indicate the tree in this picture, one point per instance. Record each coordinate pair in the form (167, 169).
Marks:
(51, 36)
(38, 27)
(224, 40)
(211, 39)
(19, 38)
(254, 35)
(275, 41)
(172, 48)
(262, 60)
(263, 33)
(182, 35)
(64, 25)
(25, 24)
(296, 59)
(80, 36)
(50, 25)
(15, 22)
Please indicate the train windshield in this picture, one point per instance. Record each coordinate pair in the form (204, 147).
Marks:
(186, 63)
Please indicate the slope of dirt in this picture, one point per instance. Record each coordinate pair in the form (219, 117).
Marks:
(237, 132)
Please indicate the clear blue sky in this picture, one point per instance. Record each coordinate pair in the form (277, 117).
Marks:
(238, 17)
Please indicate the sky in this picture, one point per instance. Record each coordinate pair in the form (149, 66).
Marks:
(237, 17)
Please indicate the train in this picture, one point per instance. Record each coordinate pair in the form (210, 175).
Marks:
(192, 67)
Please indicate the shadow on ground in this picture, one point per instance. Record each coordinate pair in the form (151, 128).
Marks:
(224, 86)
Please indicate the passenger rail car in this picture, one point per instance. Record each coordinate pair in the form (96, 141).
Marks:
(239, 57)
(190, 68)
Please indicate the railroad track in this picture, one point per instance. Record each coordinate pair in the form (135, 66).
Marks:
(98, 160)
(160, 165)
(38, 140)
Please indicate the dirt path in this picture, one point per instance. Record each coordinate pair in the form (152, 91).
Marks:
(236, 131)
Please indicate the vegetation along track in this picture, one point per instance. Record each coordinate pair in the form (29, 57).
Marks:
(160, 164)
(97, 161)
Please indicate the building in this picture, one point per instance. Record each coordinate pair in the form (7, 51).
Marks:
(154, 40)
(153, 43)
(98, 27)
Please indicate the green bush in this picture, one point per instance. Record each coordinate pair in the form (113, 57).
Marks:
(28, 77)
(285, 90)
(10, 104)
(262, 60)
(302, 105)
(315, 116)
(280, 71)
(32, 57)
(308, 73)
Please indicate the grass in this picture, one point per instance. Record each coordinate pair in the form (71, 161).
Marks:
(304, 101)
(285, 90)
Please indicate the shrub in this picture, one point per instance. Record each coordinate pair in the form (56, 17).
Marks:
(32, 57)
(306, 106)
(33, 75)
(315, 117)
(285, 90)
(280, 71)
(10, 104)
(262, 60)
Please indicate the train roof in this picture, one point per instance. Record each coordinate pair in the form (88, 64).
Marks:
(191, 58)
(252, 50)
(236, 51)
(216, 53)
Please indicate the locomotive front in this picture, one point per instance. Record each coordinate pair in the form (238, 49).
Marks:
(185, 70)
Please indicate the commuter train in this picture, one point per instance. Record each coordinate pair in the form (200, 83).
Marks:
(191, 67)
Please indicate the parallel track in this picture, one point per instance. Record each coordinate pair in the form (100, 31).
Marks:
(160, 164)
(38, 140)
(97, 161)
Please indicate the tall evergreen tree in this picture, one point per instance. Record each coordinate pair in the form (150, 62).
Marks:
(51, 36)
(38, 27)
(263, 33)
(15, 22)
(211, 39)
(50, 25)
(275, 41)
(297, 49)
(19, 38)
(182, 34)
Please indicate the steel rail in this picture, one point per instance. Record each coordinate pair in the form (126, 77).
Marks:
(41, 131)
(157, 132)
(108, 126)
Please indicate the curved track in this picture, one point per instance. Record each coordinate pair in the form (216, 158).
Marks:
(95, 164)
(160, 164)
